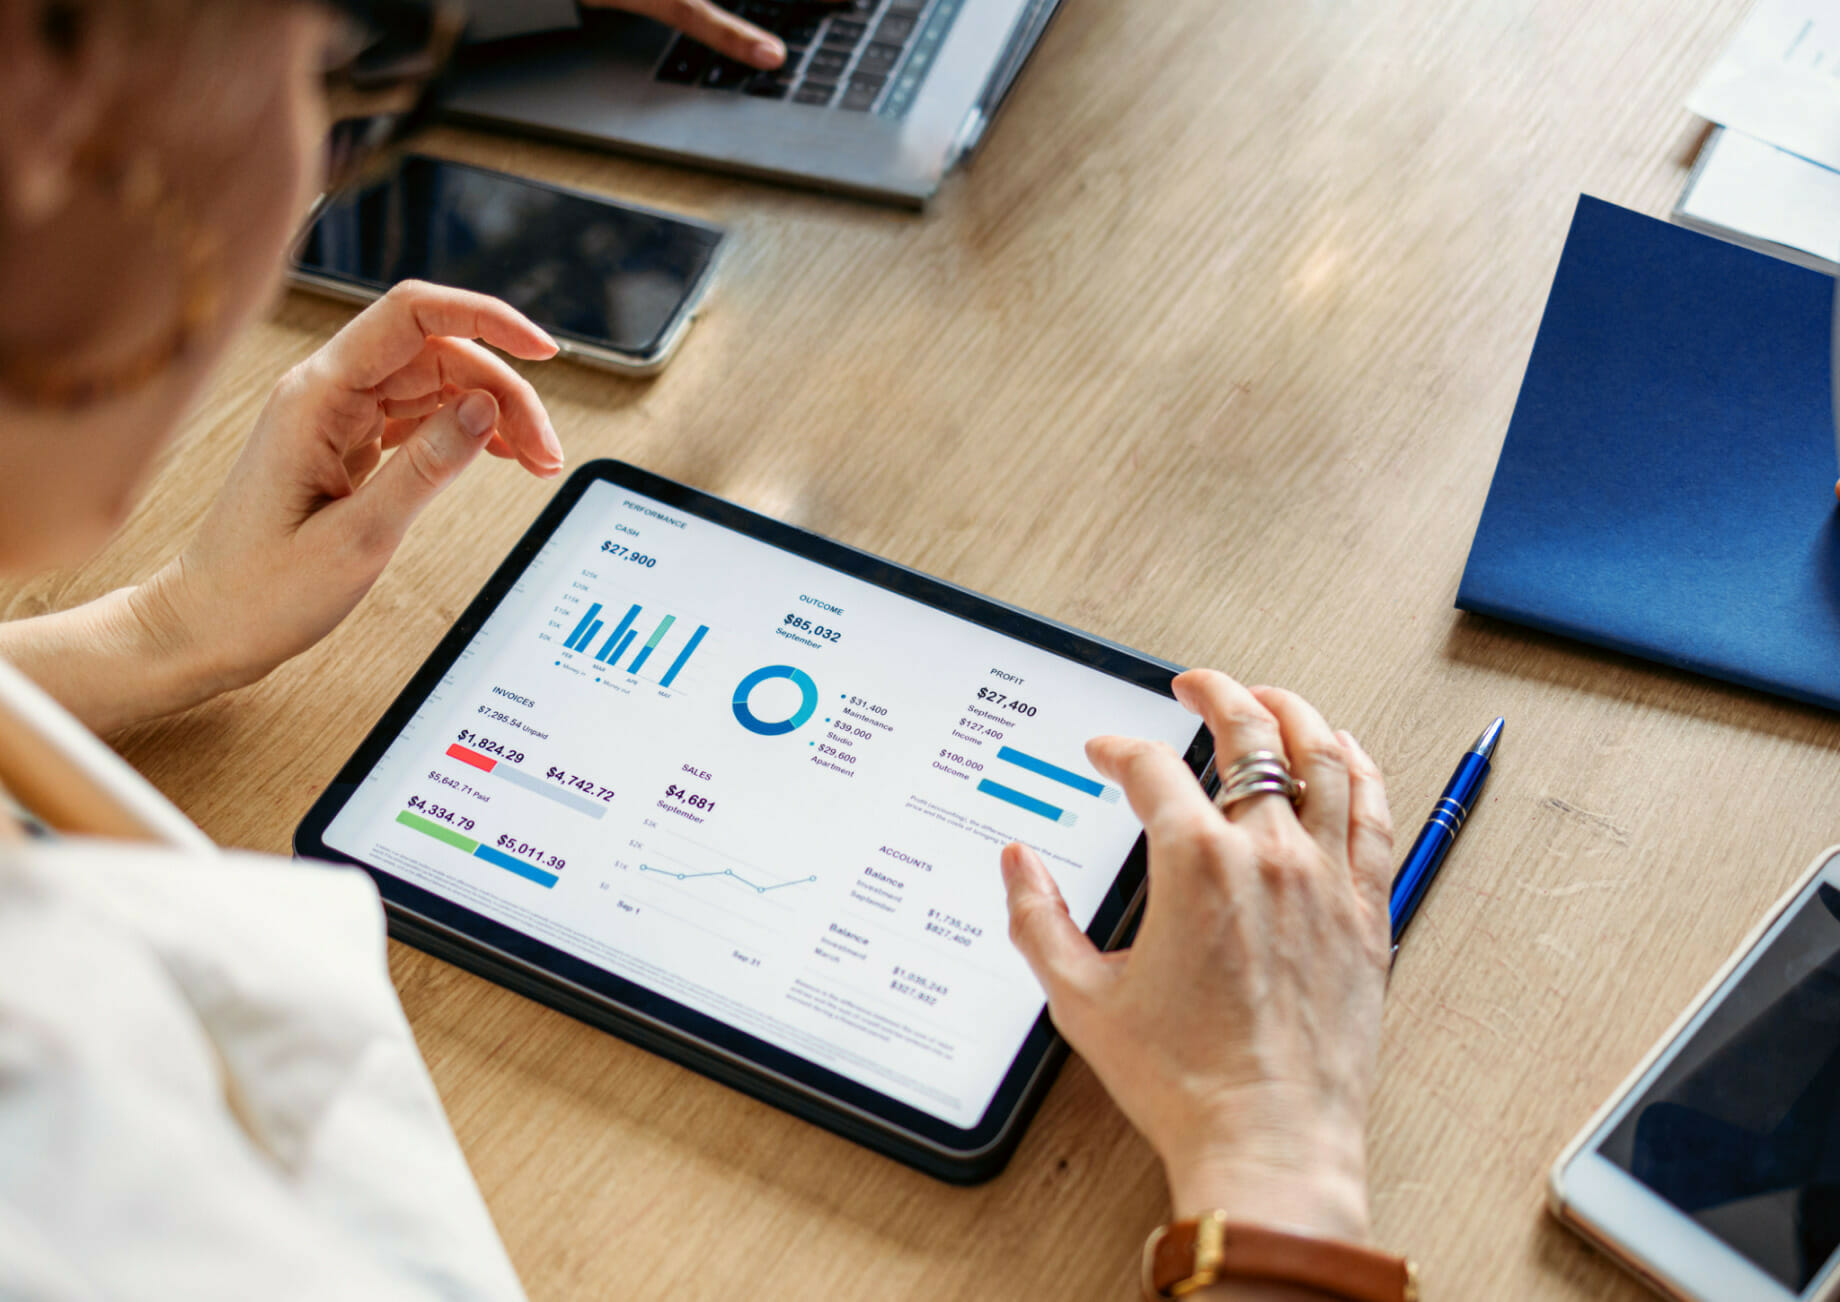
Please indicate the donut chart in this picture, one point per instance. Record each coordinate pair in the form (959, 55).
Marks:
(808, 700)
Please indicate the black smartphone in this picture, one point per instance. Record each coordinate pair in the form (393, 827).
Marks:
(617, 286)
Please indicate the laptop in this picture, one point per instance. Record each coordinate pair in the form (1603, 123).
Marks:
(877, 98)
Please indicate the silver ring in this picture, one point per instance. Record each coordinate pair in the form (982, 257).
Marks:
(1261, 773)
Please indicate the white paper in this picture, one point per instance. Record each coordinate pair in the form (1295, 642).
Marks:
(1744, 187)
(1779, 80)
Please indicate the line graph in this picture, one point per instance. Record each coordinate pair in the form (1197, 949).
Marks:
(729, 873)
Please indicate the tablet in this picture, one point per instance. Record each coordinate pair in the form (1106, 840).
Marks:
(736, 793)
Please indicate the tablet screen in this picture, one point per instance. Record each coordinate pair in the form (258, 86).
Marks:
(764, 789)
(1738, 1131)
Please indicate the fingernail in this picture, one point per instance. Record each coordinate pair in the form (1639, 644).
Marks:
(552, 442)
(769, 54)
(477, 414)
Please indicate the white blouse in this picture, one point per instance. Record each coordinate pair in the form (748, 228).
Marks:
(208, 1089)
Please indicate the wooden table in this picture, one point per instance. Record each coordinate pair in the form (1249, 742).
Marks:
(1211, 352)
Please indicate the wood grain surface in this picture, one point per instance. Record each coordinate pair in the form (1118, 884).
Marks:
(1210, 351)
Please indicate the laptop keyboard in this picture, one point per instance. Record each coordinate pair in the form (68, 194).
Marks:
(859, 56)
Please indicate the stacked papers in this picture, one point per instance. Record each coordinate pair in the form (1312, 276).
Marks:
(1764, 197)
(1771, 177)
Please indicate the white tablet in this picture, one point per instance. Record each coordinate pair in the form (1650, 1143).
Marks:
(1715, 1171)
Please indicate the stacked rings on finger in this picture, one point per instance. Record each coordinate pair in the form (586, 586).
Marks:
(1263, 772)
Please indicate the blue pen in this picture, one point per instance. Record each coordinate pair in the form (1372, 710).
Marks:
(1427, 853)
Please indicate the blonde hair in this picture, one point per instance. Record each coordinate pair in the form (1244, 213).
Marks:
(177, 138)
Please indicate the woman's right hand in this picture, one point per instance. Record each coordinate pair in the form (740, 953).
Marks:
(312, 511)
(1239, 1031)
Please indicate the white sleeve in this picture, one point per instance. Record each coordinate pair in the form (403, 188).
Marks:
(208, 1090)
(494, 20)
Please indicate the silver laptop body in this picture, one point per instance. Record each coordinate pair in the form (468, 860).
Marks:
(881, 118)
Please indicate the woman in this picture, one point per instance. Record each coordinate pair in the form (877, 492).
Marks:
(206, 1086)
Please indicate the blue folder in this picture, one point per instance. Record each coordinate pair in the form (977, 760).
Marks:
(1666, 488)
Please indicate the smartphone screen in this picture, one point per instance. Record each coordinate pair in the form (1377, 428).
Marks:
(1740, 1130)
(581, 267)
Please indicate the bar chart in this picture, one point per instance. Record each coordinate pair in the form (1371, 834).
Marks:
(1042, 768)
(467, 845)
(505, 773)
(614, 646)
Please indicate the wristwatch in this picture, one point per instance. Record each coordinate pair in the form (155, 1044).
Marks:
(1188, 1255)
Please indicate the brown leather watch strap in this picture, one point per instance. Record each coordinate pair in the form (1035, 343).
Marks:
(1189, 1255)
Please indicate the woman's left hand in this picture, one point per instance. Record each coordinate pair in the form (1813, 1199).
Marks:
(312, 511)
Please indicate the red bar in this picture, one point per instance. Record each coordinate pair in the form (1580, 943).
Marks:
(473, 757)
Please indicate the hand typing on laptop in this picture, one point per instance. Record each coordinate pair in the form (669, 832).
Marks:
(739, 31)
(724, 31)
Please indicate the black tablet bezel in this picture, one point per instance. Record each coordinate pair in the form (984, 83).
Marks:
(629, 1010)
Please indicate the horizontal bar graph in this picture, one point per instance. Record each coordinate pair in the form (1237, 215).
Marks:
(1021, 800)
(1054, 772)
(505, 773)
(498, 858)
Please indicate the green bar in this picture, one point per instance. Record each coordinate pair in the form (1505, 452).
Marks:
(645, 651)
(659, 632)
(438, 832)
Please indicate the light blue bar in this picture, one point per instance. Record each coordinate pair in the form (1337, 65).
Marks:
(515, 865)
(607, 646)
(683, 657)
(1054, 771)
(549, 791)
(1019, 800)
(582, 628)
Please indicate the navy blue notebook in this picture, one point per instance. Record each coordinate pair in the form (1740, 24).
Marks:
(1667, 484)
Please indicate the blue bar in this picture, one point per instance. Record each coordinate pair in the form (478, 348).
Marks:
(1019, 800)
(581, 629)
(1047, 770)
(607, 647)
(517, 866)
(620, 650)
(645, 652)
(683, 656)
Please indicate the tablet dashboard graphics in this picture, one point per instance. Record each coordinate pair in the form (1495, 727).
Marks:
(770, 791)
